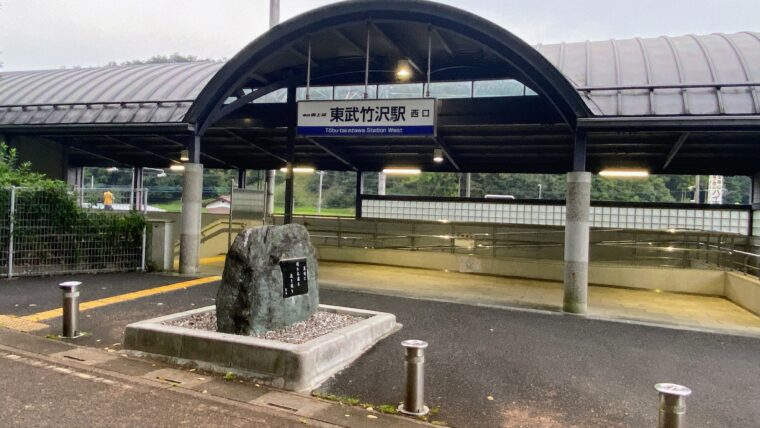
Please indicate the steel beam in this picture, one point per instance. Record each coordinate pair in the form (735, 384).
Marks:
(676, 147)
(413, 58)
(448, 152)
(252, 144)
(334, 152)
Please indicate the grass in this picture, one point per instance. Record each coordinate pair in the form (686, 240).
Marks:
(349, 401)
(387, 408)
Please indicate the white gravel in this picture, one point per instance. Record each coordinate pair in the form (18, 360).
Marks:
(318, 325)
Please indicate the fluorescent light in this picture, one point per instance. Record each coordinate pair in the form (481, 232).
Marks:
(112, 169)
(184, 155)
(437, 155)
(402, 171)
(177, 167)
(300, 169)
(624, 173)
(404, 70)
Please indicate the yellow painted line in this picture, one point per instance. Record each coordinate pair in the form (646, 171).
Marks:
(212, 260)
(92, 304)
(204, 261)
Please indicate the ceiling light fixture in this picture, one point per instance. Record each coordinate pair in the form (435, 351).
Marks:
(402, 171)
(300, 169)
(184, 155)
(437, 155)
(624, 173)
(177, 167)
(404, 69)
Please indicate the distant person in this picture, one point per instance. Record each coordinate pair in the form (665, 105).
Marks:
(108, 200)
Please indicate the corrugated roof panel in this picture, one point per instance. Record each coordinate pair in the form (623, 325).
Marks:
(118, 85)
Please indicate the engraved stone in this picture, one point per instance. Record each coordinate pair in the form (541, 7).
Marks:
(269, 281)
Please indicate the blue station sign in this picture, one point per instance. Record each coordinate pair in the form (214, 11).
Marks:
(353, 118)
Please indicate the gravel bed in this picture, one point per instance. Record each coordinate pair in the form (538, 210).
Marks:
(319, 324)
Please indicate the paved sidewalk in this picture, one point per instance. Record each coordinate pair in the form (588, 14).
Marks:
(57, 384)
(490, 367)
(702, 313)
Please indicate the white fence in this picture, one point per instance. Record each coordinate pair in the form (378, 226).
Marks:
(53, 231)
(726, 219)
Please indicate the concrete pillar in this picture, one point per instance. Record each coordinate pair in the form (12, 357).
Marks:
(190, 236)
(578, 205)
(465, 185)
(381, 184)
(75, 176)
(270, 183)
(137, 198)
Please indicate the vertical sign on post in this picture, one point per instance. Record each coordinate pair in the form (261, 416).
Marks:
(715, 189)
(351, 118)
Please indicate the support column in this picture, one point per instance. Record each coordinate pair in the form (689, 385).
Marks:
(288, 218)
(577, 208)
(754, 220)
(192, 198)
(381, 184)
(137, 198)
(289, 178)
(359, 192)
(75, 176)
(269, 178)
(465, 184)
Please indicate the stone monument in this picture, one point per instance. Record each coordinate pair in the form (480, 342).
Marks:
(269, 281)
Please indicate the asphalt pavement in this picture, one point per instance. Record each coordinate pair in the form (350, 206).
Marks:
(489, 367)
(551, 370)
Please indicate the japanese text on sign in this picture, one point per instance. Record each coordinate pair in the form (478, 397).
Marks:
(367, 117)
(295, 277)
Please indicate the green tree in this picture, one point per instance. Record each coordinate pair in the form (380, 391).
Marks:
(164, 59)
(16, 173)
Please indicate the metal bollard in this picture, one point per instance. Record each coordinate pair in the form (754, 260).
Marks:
(672, 405)
(414, 403)
(70, 308)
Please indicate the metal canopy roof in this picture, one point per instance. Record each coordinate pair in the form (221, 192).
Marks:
(664, 76)
(638, 98)
(154, 93)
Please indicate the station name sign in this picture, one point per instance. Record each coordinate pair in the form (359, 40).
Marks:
(352, 118)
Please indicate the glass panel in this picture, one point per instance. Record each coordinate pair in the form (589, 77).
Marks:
(500, 88)
(451, 89)
(315, 93)
(401, 90)
(355, 92)
(278, 96)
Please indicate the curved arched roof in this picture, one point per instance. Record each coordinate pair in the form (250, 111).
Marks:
(402, 30)
(669, 63)
(151, 93)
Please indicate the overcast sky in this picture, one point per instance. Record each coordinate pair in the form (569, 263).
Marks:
(42, 34)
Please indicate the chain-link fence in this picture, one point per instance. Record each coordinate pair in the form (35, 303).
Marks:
(46, 231)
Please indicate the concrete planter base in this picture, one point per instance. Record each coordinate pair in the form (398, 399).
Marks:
(293, 367)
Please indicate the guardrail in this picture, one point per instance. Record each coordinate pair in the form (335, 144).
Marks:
(665, 248)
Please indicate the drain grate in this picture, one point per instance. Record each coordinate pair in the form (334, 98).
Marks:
(74, 358)
(280, 406)
(172, 381)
